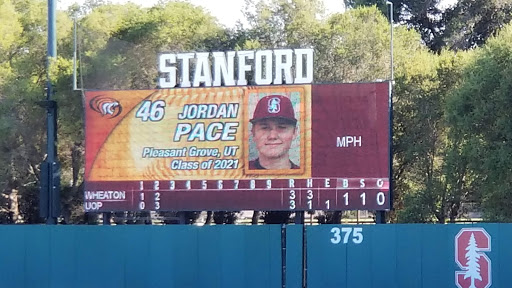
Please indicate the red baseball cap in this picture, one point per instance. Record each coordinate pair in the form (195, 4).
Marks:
(274, 106)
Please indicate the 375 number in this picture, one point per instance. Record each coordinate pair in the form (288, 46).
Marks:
(345, 234)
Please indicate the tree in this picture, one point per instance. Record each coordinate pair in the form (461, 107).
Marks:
(282, 23)
(417, 129)
(470, 23)
(22, 78)
(481, 125)
(121, 51)
(467, 24)
(432, 175)
(12, 29)
(358, 42)
(424, 16)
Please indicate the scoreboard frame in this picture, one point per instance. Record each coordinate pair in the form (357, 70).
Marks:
(334, 176)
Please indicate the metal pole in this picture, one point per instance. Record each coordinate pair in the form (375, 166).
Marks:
(299, 219)
(182, 218)
(390, 4)
(390, 96)
(380, 216)
(53, 208)
(74, 54)
(283, 256)
(106, 218)
(52, 32)
(391, 83)
(304, 255)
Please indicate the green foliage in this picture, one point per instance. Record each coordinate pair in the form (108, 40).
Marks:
(481, 119)
(10, 29)
(452, 119)
(467, 24)
(470, 23)
(358, 42)
(428, 175)
(22, 81)
(121, 53)
(282, 23)
(424, 16)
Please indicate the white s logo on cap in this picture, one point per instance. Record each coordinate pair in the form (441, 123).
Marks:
(274, 105)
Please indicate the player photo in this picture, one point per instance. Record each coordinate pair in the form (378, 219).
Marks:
(274, 133)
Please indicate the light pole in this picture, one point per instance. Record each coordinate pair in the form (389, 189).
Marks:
(390, 4)
(49, 196)
(381, 215)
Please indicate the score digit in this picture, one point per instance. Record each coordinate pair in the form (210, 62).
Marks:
(142, 204)
(363, 198)
(381, 198)
(310, 199)
(157, 200)
(292, 200)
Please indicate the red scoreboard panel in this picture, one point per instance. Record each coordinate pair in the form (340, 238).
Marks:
(293, 147)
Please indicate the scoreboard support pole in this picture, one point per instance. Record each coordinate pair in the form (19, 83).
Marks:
(181, 218)
(299, 219)
(380, 217)
(106, 218)
(304, 255)
(283, 256)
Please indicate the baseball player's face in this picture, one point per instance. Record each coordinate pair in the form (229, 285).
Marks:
(273, 137)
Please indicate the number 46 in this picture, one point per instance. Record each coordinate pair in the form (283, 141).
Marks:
(152, 111)
(357, 235)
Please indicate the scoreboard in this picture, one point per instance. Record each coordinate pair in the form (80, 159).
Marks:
(228, 148)
(281, 194)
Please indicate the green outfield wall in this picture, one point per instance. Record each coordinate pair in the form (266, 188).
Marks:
(404, 256)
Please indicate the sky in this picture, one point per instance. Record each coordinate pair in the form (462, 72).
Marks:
(227, 11)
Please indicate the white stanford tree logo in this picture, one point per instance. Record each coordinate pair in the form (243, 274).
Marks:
(470, 243)
(472, 258)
